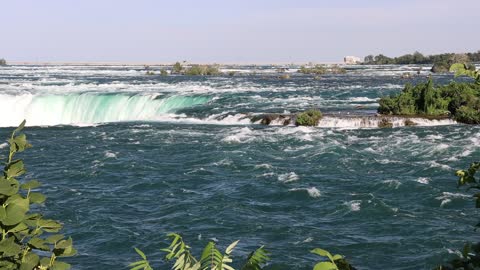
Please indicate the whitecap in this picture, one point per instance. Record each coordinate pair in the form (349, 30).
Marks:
(354, 205)
(423, 180)
(288, 177)
(263, 166)
(109, 154)
(312, 191)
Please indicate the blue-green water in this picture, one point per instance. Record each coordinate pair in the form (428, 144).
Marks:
(182, 158)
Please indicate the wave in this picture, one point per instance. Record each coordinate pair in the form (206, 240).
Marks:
(90, 108)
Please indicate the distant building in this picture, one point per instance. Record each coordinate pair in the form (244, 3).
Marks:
(352, 60)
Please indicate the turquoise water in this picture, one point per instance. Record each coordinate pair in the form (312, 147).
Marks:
(178, 156)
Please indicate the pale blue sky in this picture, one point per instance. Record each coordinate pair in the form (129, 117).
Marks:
(269, 31)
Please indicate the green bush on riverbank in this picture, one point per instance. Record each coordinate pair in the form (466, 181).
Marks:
(458, 100)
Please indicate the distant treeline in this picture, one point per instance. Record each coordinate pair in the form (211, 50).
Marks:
(418, 58)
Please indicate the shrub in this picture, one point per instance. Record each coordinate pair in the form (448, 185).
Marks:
(163, 72)
(317, 69)
(467, 115)
(428, 100)
(308, 118)
(204, 70)
(211, 257)
(29, 241)
(177, 68)
(3, 62)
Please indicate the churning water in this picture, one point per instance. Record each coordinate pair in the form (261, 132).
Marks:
(126, 158)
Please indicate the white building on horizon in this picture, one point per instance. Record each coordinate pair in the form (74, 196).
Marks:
(352, 60)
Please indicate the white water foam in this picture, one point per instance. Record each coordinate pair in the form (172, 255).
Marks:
(288, 177)
(312, 191)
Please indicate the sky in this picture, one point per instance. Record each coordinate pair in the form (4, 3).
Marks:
(231, 31)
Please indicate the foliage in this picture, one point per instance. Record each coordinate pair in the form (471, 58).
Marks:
(418, 58)
(28, 240)
(461, 69)
(335, 262)
(211, 257)
(203, 70)
(163, 72)
(460, 100)
(3, 62)
(256, 259)
(177, 68)
(308, 118)
(321, 69)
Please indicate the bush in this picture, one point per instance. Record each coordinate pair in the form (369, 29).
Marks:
(308, 118)
(213, 258)
(177, 68)
(29, 241)
(203, 70)
(428, 100)
(467, 115)
(163, 72)
(317, 69)
(3, 62)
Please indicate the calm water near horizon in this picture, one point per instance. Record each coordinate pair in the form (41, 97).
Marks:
(126, 158)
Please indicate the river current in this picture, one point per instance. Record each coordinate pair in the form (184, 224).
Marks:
(125, 158)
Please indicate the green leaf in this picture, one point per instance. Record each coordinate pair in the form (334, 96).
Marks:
(16, 209)
(256, 259)
(21, 227)
(65, 248)
(325, 266)
(20, 127)
(38, 243)
(9, 248)
(337, 257)
(141, 253)
(3, 213)
(52, 239)
(49, 225)
(30, 185)
(30, 261)
(44, 261)
(19, 143)
(36, 197)
(8, 187)
(15, 168)
(322, 253)
(57, 265)
(231, 247)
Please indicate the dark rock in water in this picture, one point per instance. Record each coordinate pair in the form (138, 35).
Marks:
(440, 68)
(267, 119)
(385, 123)
(409, 122)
